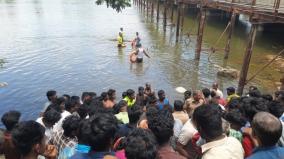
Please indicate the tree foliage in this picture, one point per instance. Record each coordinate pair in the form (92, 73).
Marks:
(118, 5)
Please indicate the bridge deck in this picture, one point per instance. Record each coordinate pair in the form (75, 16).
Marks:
(263, 11)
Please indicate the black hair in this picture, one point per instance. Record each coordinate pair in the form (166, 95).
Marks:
(50, 93)
(235, 116)
(104, 96)
(213, 93)
(71, 124)
(134, 113)
(267, 97)
(83, 111)
(151, 99)
(110, 93)
(140, 88)
(231, 90)
(161, 124)
(75, 99)
(206, 92)
(187, 94)
(251, 106)
(208, 121)
(254, 93)
(92, 94)
(102, 131)
(124, 94)
(130, 92)
(276, 108)
(121, 104)
(178, 105)
(84, 95)
(10, 119)
(69, 105)
(51, 116)
(160, 92)
(60, 100)
(95, 107)
(267, 128)
(66, 96)
(84, 131)
(55, 107)
(141, 144)
(26, 134)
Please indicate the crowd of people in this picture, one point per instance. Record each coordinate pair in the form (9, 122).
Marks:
(147, 125)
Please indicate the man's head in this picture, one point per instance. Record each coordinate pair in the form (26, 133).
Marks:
(266, 128)
(207, 120)
(70, 106)
(121, 29)
(254, 93)
(178, 105)
(251, 106)
(230, 91)
(148, 86)
(130, 94)
(29, 138)
(235, 118)
(161, 124)
(10, 119)
(197, 95)
(102, 130)
(66, 97)
(161, 94)
(276, 108)
(111, 94)
(140, 90)
(187, 94)
(86, 97)
(137, 34)
(50, 117)
(206, 92)
(141, 144)
(134, 114)
(215, 86)
(122, 106)
(61, 103)
(71, 125)
(51, 96)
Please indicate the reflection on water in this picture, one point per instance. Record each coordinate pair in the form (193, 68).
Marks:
(64, 45)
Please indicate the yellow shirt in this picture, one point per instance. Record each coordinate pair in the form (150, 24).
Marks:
(129, 102)
(232, 96)
(119, 40)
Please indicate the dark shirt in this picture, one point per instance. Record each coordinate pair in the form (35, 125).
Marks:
(92, 155)
(124, 130)
(167, 152)
(273, 152)
(8, 148)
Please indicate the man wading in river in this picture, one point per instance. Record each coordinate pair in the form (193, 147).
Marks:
(137, 55)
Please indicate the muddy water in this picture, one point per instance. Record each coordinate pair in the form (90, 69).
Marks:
(67, 45)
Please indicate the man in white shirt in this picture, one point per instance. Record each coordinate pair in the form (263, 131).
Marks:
(208, 121)
(215, 87)
(49, 118)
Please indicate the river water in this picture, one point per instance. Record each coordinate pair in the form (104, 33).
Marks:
(67, 45)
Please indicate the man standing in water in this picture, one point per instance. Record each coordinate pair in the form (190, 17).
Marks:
(136, 41)
(139, 53)
(120, 40)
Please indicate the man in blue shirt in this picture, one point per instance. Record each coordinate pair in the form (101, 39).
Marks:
(162, 99)
(266, 130)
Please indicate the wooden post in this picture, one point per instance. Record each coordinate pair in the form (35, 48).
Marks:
(178, 21)
(144, 3)
(147, 6)
(182, 16)
(200, 33)
(172, 11)
(246, 60)
(152, 10)
(231, 30)
(158, 11)
(165, 14)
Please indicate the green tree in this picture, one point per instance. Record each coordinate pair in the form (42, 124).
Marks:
(118, 5)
